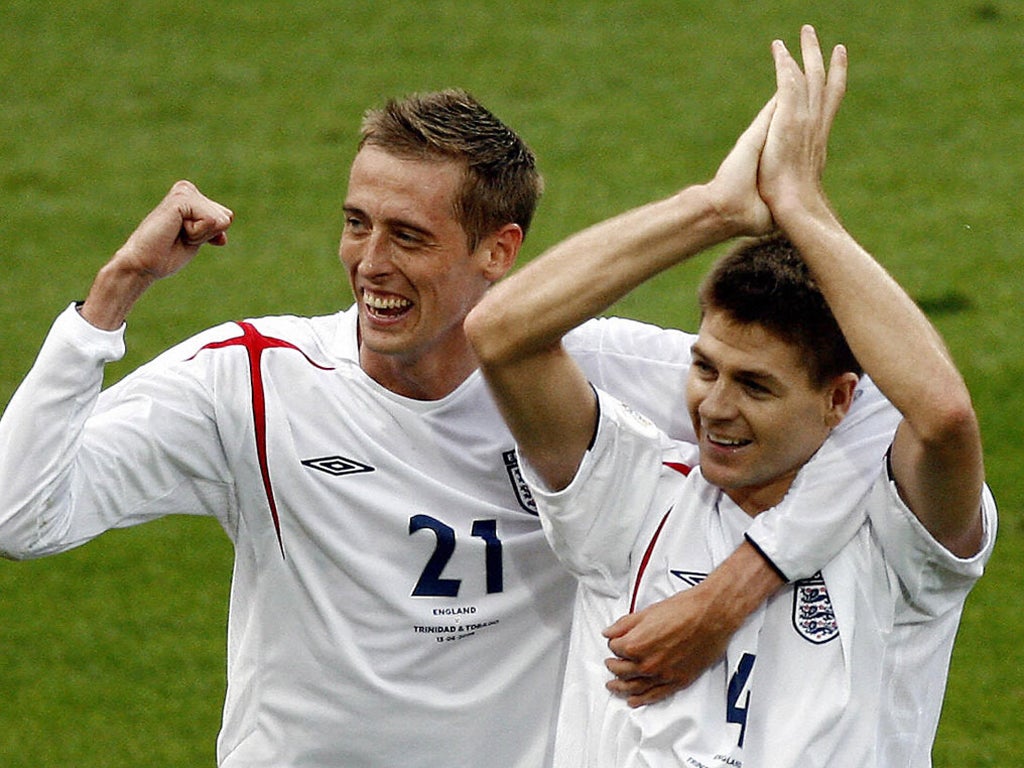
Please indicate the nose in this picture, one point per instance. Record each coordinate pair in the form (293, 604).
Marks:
(718, 403)
(375, 257)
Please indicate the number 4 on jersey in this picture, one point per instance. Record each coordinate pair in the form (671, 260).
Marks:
(734, 711)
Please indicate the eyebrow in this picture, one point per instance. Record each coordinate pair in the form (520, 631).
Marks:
(350, 210)
(749, 374)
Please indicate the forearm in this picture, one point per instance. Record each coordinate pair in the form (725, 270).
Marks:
(163, 243)
(892, 339)
(75, 462)
(582, 276)
(667, 645)
(741, 583)
(516, 330)
(936, 454)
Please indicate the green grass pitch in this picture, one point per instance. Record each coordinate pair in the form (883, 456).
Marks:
(113, 655)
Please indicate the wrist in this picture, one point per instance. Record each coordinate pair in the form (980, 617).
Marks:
(767, 560)
(114, 291)
(720, 219)
(734, 217)
(801, 208)
(743, 582)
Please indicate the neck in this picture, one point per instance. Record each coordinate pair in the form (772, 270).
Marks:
(430, 377)
(757, 499)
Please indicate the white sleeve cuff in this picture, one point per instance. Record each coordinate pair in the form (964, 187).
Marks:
(89, 341)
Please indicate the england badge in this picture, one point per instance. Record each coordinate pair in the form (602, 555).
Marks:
(813, 616)
(519, 485)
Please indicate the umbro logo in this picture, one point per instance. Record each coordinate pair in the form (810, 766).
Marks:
(337, 465)
(691, 578)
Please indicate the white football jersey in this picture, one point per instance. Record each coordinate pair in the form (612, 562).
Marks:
(845, 669)
(394, 600)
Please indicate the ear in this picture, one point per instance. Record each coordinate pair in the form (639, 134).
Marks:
(499, 251)
(839, 395)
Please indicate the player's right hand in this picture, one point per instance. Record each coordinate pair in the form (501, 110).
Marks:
(166, 240)
(170, 236)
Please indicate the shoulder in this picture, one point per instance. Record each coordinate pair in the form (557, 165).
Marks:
(202, 355)
(322, 331)
(633, 338)
(632, 446)
(321, 337)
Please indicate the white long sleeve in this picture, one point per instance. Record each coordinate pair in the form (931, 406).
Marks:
(71, 469)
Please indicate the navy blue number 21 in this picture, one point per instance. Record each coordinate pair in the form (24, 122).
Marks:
(430, 583)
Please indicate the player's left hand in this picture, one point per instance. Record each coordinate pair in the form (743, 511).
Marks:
(666, 646)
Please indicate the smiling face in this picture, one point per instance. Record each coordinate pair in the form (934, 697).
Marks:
(757, 415)
(412, 272)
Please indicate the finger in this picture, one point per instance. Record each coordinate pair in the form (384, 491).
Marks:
(788, 78)
(620, 643)
(814, 66)
(621, 648)
(652, 695)
(635, 687)
(196, 232)
(757, 132)
(622, 626)
(835, 87)
(641, 693)
(205, 223)
(623, 669)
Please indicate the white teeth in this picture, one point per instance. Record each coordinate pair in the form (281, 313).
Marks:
(385, 302)
(717, 440)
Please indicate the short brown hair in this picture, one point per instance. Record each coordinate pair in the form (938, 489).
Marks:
(765, 281)
(501, 184)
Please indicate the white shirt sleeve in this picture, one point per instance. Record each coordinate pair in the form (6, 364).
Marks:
(75, 463)
(592, 524)
(640, 364)
(932, 579)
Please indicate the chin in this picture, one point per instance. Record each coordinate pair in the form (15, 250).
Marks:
(718, 475)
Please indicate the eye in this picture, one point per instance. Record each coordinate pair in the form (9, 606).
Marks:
(703, 369)
(354, 224)
(405, 237)
(408, 238)
(756, 389)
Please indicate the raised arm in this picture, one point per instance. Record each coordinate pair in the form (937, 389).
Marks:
(57, 471)
(166, 240)
(936, 454)
(517, 329)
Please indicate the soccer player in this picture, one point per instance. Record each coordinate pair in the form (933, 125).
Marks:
(846, 669)
(394, 600)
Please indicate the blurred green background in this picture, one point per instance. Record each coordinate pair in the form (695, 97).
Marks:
(113, 655)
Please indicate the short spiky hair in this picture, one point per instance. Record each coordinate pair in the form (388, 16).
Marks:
(765, 281)
(501, 183)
